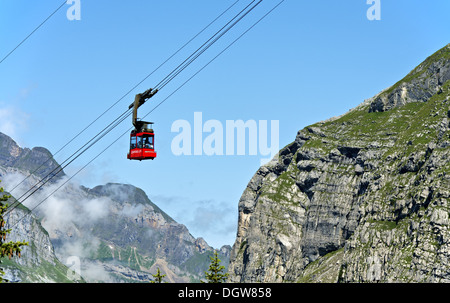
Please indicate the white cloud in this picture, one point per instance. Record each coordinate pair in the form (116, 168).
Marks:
(13, 121)
(95, 272)
(62, 215)
(131, 211)
(214, 221)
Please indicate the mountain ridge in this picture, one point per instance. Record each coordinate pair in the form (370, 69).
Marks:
(115, 231)
(361, 197)
(38, 160)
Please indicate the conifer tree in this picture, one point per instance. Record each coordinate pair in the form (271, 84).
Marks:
(158, 277)
(8, 249)
(215, 272)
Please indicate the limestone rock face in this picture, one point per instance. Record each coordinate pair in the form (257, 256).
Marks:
(363, 197)
(418, 86)
(38, 262)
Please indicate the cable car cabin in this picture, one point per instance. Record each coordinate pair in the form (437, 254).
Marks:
(142, 145)
(142, 138)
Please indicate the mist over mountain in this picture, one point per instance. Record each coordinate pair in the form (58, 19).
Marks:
(110, 233)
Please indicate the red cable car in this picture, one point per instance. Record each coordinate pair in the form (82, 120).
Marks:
(142, 144)
(142, 138)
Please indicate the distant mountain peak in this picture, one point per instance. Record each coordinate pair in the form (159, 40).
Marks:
(38, 160)
(115, 230)
(419, 85)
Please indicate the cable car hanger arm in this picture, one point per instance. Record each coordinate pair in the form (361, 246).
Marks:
(142, 98)
(138, 101)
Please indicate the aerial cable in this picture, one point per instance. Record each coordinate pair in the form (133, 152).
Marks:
(213, 59)
(68, 179)
(44, 180)
(52, 174)
(154, 108)
(109, 130)
(210, 44)
(126, 94)
(39, 26)
(112, 127)
(204, 47)
(63, 165)
(100, 135)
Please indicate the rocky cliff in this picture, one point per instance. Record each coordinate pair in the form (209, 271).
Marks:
(38, 262)
(38, 161)
(363, 197)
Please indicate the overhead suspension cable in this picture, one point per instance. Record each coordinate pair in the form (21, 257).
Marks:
(101, 134)
(213, 59)
(120, 99)
(154, 108)
(123, 116)
(206, 45)
(29, 35)
(68, 161)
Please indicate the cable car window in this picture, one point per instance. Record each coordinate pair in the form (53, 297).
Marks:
(148, 142)
(150, 139)
(133, 143)
(139, 142)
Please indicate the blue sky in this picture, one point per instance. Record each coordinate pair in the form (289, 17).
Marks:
(306, 62)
